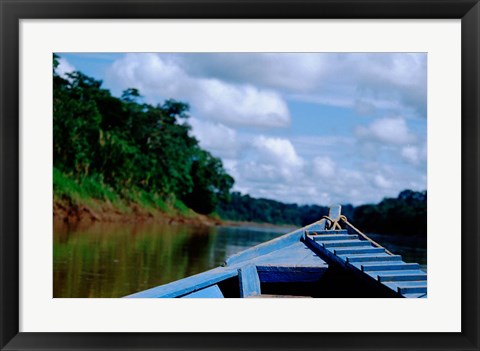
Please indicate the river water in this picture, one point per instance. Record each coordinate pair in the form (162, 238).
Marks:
(114, 260)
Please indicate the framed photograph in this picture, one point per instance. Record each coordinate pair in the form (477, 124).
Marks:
(192, 156)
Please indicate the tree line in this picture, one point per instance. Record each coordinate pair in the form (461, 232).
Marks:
(130, 147)
(404, 215)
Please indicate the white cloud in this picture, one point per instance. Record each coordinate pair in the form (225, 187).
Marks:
(306, 186)
(381, 182)
(346, 186)
(286, 71)
(324, 167)
(215, 137)
(272, 168)
(240, 105)
(159, 77)
(411, 154)
(268, 165)
(277, 151)
(364, 108)
(387, 130)
(393, 81)
(415, 155)
(64, 67)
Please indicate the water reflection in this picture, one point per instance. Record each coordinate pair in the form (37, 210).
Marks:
(114, 260)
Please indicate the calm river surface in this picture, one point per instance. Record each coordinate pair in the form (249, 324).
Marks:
(114, 260)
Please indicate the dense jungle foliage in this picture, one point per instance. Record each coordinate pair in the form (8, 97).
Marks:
(112, 147)
(404, 215)
(249, 209)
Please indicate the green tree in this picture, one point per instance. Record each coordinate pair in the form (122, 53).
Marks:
(131, 146)
(211, 184)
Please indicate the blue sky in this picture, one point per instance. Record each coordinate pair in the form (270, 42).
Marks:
(309, 128)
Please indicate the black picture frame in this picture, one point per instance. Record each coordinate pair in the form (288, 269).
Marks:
(13, 11)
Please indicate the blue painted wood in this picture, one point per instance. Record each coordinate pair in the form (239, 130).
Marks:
(189, 284)
(329, 237)
(372, 258)
(249, 281)
(375, 274)
(335, 212)
(210, 292)
(412, 287)
(320, 225)
(294, 263)
(371, 263)
(327, 232)
(412, 283)
(388, 266)
(399, 277)
(357, 250)
(297, 254)
(290, 274)
(272, 245)
(345, 243)
(415, 295)
(287, 255)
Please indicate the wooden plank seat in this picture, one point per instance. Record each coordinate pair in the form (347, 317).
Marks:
(408, 287)
(326, 232)
(345, 243)
(388, 266)
(389, 276)
(356, 250)
(370, 261)
(249, 281)
(331, 237)
(294, 263)
(382, 257)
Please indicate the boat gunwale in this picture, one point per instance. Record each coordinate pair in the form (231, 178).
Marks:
(272, 245)
(229, 269)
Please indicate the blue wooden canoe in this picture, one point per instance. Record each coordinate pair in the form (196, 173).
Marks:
(329, 258)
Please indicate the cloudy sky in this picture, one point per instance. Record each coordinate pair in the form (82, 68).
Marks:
(310, 128)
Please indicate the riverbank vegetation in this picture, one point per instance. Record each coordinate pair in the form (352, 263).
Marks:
(118, 157)
(123, 151)
(404, 215)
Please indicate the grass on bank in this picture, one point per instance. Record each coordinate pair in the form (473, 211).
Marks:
(90, 188)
